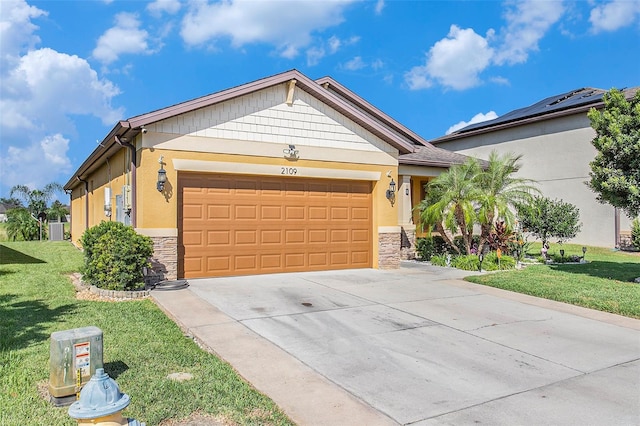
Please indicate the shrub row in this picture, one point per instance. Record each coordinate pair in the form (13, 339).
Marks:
(472, 262)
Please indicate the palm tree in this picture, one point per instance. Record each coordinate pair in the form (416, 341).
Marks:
(500, 192)
(36, 200)
(450, 203)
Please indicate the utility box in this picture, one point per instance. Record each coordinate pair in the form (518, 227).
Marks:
(56, 231)
(74, 357)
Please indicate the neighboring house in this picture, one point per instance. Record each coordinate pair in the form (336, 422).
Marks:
(554, 137)
(3, 212)
(281, 174)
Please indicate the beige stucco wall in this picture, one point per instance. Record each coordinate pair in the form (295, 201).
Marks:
(114, 173)
(555, 153)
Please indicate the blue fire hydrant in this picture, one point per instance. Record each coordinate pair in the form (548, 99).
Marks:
(101, 403)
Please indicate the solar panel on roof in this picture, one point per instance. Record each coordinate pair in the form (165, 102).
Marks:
(560, 102)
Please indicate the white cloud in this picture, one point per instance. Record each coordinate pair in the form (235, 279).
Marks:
(377, 64)
(17, 31)
(478, 118)
(158, 7)
(500, 80)
(125, 37)
(37, 164)
(455, 61)
(287, 25)
(334, 44)
(379, 6)
(355, 64)
(330, 47)
(527, 22)
(614, 15)
(47, 86)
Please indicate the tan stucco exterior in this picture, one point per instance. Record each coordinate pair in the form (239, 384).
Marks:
(248, 135)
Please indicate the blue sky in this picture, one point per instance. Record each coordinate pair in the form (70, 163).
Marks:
(70, 70)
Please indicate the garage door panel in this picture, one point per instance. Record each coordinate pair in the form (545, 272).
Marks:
(294, 260)
(339, 213)
(216, 211)
(339, 236)
(218, 238)
(270, 262)
(218, 263)
(245, 212)
(360, 258)
(318, 260)
(271, 237)
(246, 263)
(271, 212)
(193, 238)
(296, 212)
(246, 237)
(340, 258)
(239, 225)
(294, 236)
(318, 236)
(191, 211)
(360, 213)
(360, 236)
(320, 213)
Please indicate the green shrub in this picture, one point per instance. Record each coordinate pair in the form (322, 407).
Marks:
(635, 234)
(466, 262)
(115, 256)
(490, 262)
(426, 247)
(439, 260)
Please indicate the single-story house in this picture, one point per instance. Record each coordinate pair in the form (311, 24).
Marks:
(282, 174)
(554, 138)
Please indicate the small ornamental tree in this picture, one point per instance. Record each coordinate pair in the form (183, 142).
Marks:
(545, 219)
(115, 255)
(615, 171)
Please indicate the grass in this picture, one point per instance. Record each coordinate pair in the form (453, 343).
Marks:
(141, 347)
(604, 283)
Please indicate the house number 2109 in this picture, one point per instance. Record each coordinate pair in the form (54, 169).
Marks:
(288, 171)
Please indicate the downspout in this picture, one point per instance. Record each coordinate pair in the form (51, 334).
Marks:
(86, 202)
(133, 177)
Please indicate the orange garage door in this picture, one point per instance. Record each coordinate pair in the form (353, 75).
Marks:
(244, 225)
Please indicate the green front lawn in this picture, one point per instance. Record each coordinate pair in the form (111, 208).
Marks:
(605, 283)
(141, 347)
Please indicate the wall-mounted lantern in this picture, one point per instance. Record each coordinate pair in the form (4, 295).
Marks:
(162, 175)
(391, 192)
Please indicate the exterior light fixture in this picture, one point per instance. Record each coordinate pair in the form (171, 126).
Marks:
(480, 259)
(584, 251)
(391, 192)
(562, 254)
(162, 175)
(291, 153)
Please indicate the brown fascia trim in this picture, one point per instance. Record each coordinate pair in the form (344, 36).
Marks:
(528, 120)
(106, 148)
(303, 82)
(442, 164)
(369, 108)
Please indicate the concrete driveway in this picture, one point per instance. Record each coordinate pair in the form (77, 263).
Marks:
(415, 346)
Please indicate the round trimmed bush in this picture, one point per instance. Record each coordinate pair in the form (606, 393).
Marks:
(115, 255)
